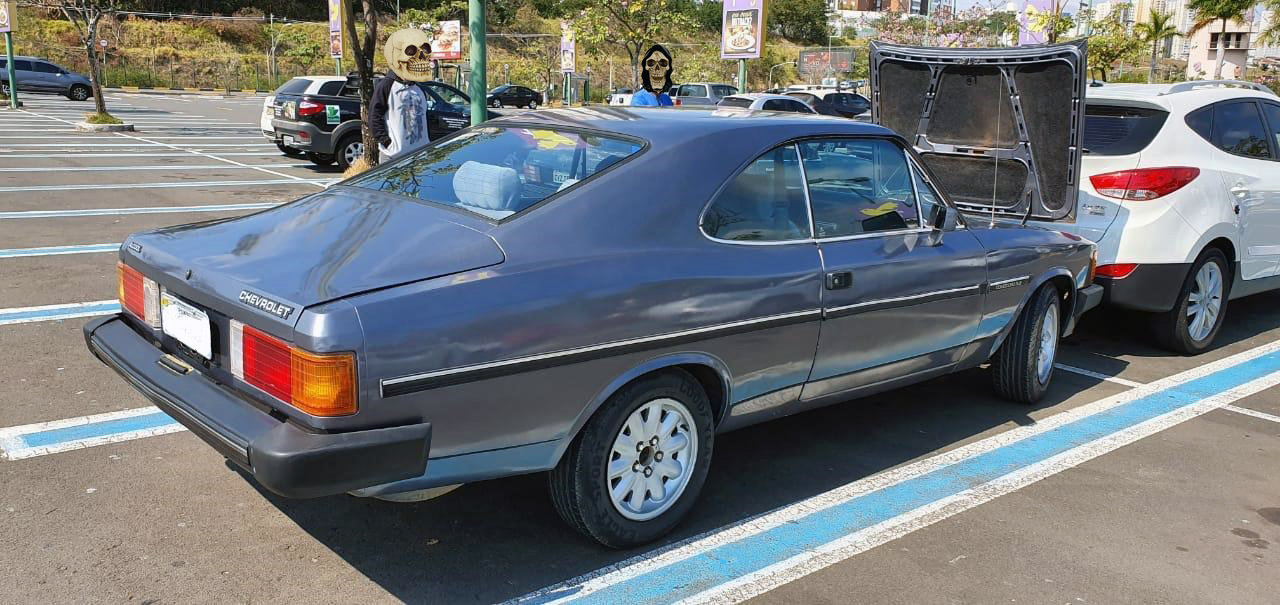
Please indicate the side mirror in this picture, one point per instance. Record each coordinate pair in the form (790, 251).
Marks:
(938, 218)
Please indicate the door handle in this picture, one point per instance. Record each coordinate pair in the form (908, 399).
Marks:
(1240, 190)
(839, 280)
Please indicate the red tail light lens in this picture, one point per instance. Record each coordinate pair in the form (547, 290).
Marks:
(1117, 271)
(307, 108)
(138, 294)
(1143, 184)
(318, 384)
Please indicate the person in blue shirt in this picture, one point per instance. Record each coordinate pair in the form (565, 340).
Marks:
(655, 75)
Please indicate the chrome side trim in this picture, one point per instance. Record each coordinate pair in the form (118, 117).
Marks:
(1006, 283)
(900, 299)
(588, 350)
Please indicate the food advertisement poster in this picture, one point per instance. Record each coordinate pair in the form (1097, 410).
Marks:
(742, 35)
(448, 41)
(568, 49)
(7, 15)
(335, 29)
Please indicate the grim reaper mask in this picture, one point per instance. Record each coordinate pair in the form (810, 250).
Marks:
(408, 54)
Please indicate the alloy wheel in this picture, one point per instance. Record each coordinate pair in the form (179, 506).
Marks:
(352, 152)
(652, 459)
(1204, 302)
(1048, 344)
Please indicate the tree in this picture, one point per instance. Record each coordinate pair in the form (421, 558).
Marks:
(1271, 35)
(1208, 11)
(85, 15)
(801, 21)
(1051, 23)
(1157, 29)
(363, 51)
(1111, 42)
(630, 24)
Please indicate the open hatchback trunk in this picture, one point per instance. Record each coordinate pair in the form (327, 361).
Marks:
(1000, 128)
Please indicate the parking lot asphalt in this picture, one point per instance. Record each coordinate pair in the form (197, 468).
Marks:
(1141, 478)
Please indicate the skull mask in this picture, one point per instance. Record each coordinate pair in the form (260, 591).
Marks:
(408, 54)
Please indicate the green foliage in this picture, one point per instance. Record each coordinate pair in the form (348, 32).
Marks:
(1051, 23)
(629, 25)
(802, 21)
(1210, 11)
(1158, 28)
(1111, 42)
(101, 118)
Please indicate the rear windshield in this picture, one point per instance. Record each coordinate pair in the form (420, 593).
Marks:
(497, 172)
(294, 86)
(735, 102)
(1117, 130)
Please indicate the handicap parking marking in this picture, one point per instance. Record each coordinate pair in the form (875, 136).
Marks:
(749, 558)
(22, 315)
(44, 438)
(57, 250)
(1249, 412)
(21, 214)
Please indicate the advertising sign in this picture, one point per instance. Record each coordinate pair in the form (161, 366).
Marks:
(447, 43)
(335, 29)
(742, 31)
(568, 49)
(821, 61)
(7, 15)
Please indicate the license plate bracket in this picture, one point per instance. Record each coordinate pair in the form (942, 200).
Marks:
(187, 324)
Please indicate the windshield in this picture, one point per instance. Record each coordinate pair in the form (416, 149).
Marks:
(497, 172)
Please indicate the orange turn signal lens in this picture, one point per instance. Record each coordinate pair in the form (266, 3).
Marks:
(323, 385)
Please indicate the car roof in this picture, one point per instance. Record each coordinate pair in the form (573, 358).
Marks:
(672, 125)
(757, 96)
(1173, 96)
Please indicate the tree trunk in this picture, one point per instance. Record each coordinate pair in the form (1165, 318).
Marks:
(95, 68)
(363, 52)
(1222, 40)
(1151, 73)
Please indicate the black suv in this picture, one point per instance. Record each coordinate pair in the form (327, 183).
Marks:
(510, 95)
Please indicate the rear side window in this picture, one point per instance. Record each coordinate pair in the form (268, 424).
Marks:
(1237, 129)
(736, 102)
(764, 203)
(497, 172)
(46, 68)
(1273, 119)
(1200, 121)
(693, 90)
(1118, 130)
(294, 86)
(22, 64)
(724, 91)
(333, 88)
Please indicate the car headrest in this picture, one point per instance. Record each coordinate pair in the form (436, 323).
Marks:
(486, 185)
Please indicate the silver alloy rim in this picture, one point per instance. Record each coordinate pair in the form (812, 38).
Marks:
(353, 152)
(533, 105)
(1204, 302)
(79, 94)
(652, 459)
(1048, 344)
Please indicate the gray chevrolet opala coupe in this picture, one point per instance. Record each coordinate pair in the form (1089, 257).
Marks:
(529, 295)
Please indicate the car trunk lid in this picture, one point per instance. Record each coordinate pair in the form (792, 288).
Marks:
(1001, 128)
(331, 245)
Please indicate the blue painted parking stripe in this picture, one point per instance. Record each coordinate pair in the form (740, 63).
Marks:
(20, 315)
(44, 438)
(119, 211)
(56, 250)
(96, 429)
(746, 559)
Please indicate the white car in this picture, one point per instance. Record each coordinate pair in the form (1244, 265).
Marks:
(1181, 191)
(314, 85)
(765, 102)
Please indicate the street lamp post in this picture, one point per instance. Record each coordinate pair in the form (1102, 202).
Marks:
(774, 67)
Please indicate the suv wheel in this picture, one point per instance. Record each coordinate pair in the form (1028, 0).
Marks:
(349, 149)
(1023, 367)
(320, 159)
(533, 104)
(1190, 327)
(636, 468)
(497, 103)
(79, 92)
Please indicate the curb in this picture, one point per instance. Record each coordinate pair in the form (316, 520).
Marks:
(179, 90)
(87, 127)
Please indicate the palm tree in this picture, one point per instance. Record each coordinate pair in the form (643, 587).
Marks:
(1208, 11)
(1271, 35)
(1156, 30)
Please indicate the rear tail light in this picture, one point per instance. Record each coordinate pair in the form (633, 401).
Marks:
(1144, 183)
(318, 384)
(307, 108)
(1117, 271)
(139, 295)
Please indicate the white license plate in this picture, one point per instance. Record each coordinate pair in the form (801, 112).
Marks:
(558, 176)
(287, 140)
(186, 324)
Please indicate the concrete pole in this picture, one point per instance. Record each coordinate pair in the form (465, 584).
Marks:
(13, 78)
(479, 73)
(742, 75)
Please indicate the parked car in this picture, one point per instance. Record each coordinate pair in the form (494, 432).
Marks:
(765, 102)
(327, 127)
(510, 95)
(40, 75)
(701, 93)
(303, 85)
(619, 96)
(516, 299)
(834, 102)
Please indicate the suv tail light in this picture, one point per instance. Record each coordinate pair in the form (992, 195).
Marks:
(1143, 184)
(318, 384)
(139, 295)
(1117, 271)
(307, 108)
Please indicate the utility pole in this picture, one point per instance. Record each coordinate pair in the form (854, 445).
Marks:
(479, 71)
(742, 75)
(13, 77)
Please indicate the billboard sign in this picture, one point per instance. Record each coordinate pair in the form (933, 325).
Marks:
(824, 60)
(568, 49)
(447, 43)
(742, 29)
(8, 13)
(335, 29)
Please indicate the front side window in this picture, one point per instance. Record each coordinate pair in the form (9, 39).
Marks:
(764, 203)
(929, 200)
(448, 95)
(1237, 129)
(46, 68)
(497, 172)
(858, 187)
(1273, 119)
(22, 65)
(724, 91)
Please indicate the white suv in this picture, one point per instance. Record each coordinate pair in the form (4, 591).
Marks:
(1181, 191)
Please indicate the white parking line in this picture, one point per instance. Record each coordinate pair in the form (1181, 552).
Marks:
(79, 145)
(163, 168)
(1249, 412)
(134, 155)
(168, 184)
(137, 423)
(1099, 376)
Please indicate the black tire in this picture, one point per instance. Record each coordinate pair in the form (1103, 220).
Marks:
(579, 486)
(533, 104)
(345, 156)
(79, 92)
(1014, 368)
(287, 150)
(497, 103)
(1172, 329)
(320, 159)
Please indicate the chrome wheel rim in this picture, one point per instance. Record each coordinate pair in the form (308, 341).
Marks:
(652, 459)
(1048, 344)
(79, 94)
(353, 152)
(1204, 302)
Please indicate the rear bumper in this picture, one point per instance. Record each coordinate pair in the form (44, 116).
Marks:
(1086, 298)
(1152, 288)
(285, 458)
(306, 137)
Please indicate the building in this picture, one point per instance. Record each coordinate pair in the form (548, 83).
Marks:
(915, 7)
(1203, 49)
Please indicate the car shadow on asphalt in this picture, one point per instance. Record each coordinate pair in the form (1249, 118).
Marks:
(496, 540)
